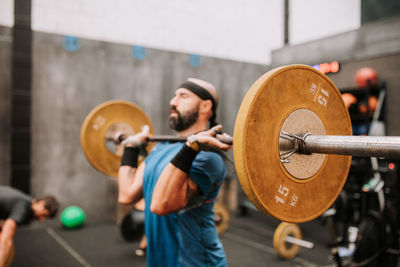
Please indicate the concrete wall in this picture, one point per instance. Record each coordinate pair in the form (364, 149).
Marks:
(5, 103)
(68, 85)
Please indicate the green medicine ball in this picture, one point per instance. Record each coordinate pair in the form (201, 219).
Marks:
(72, 217)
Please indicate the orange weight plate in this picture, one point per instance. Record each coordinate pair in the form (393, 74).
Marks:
(297, 99)
(221, 218)
(100, 126)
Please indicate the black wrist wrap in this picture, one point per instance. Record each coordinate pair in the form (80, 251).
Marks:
(183, 160)
(130, 157)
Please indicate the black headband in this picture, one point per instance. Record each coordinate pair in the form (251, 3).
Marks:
(199, 91)
(203, 94)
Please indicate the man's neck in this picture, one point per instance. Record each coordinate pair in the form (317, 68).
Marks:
(195, 128)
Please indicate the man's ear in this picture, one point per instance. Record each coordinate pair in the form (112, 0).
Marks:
(206, 106)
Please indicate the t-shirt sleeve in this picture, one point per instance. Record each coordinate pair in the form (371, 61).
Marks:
(208, 170)
(21, 212)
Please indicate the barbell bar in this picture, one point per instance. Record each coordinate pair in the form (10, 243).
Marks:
(171, 138)
(360, 146)
(370, 146)
(299, 242)
(291, 144)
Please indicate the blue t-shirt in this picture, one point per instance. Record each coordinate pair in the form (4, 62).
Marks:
(162, 242)
(199, 244)
(189, 238)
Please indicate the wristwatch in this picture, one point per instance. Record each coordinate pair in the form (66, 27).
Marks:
(192, 139)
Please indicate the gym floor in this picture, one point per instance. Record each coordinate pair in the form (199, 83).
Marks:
(247, 242)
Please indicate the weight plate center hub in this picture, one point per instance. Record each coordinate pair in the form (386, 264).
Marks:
(112, 132)
(300, 166)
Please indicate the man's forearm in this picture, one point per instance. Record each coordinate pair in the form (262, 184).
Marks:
(130, 181)
(126, 175)
(6, 240)
(171, 191)
(5, 249)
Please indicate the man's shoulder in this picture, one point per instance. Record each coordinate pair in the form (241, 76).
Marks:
(21, 211)
(210, 156)
(210, 162)
(12, 193)
(165, 146)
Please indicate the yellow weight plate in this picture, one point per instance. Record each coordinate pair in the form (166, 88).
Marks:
(221, 217)
(270, 105)
(99, 126)
(282, 248)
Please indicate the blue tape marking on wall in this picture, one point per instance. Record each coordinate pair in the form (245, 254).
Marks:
(316, 67)
(139, 52)
(194, 60)
(71, 43)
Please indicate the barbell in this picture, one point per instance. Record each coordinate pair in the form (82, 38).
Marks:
(292, 142)
(288, 239)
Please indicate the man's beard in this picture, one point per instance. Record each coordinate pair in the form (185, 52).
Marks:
(183, 121)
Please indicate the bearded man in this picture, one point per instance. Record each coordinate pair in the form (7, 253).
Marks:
(179, 182)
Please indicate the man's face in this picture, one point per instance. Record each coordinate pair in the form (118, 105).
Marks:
(40, 211)
(184, 110)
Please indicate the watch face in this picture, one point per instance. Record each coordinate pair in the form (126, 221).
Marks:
(192, 139)
(193, 142)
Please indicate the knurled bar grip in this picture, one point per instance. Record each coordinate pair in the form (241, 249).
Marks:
(171, 138)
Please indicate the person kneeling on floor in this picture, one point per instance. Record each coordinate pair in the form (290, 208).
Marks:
(18, 208)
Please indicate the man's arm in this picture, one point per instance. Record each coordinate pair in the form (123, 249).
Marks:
(6, 239)
(173, 191)
(174, 188)
(130, 177)
(130, 183)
